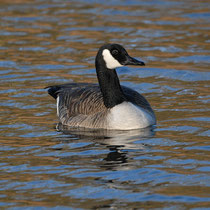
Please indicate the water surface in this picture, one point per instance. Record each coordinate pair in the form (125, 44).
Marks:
(51, 42)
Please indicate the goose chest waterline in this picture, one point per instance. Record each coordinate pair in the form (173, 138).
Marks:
(126, 116)
(107, 105)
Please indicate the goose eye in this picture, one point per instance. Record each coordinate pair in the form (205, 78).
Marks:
(114, 52)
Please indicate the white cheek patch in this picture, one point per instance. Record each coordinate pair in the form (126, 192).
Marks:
(111, 62)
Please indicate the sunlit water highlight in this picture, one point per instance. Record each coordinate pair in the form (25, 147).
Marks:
(51, 42)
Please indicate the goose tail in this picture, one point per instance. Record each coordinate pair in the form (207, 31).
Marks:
(53, 91)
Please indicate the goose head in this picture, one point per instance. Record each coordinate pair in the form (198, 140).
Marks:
(114, 56)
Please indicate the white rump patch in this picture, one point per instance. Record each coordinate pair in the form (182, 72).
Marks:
(126, 116)
(111, 62)
(58, 106)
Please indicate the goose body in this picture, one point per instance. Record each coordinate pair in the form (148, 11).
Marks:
(107, 105)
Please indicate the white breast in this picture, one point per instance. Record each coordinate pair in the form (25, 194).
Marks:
(126, 116)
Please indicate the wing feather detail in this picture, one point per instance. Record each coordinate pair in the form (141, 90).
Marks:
(81, 104)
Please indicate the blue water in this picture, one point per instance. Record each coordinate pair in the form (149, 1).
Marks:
(44, 165)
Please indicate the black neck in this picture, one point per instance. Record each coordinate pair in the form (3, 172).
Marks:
(109, 84)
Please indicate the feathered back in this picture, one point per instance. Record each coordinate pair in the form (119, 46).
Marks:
(82, 105)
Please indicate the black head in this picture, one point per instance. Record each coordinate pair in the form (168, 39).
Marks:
(115, 56)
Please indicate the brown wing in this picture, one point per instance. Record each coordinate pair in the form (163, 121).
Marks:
(86, 98)
(78, 98)
(136, 98)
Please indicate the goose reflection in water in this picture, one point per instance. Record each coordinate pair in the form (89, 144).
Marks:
(119, 143)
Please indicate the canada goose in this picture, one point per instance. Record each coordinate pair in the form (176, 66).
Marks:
(107, 105)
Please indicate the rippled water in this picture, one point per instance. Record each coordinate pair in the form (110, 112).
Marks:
(51, 42)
